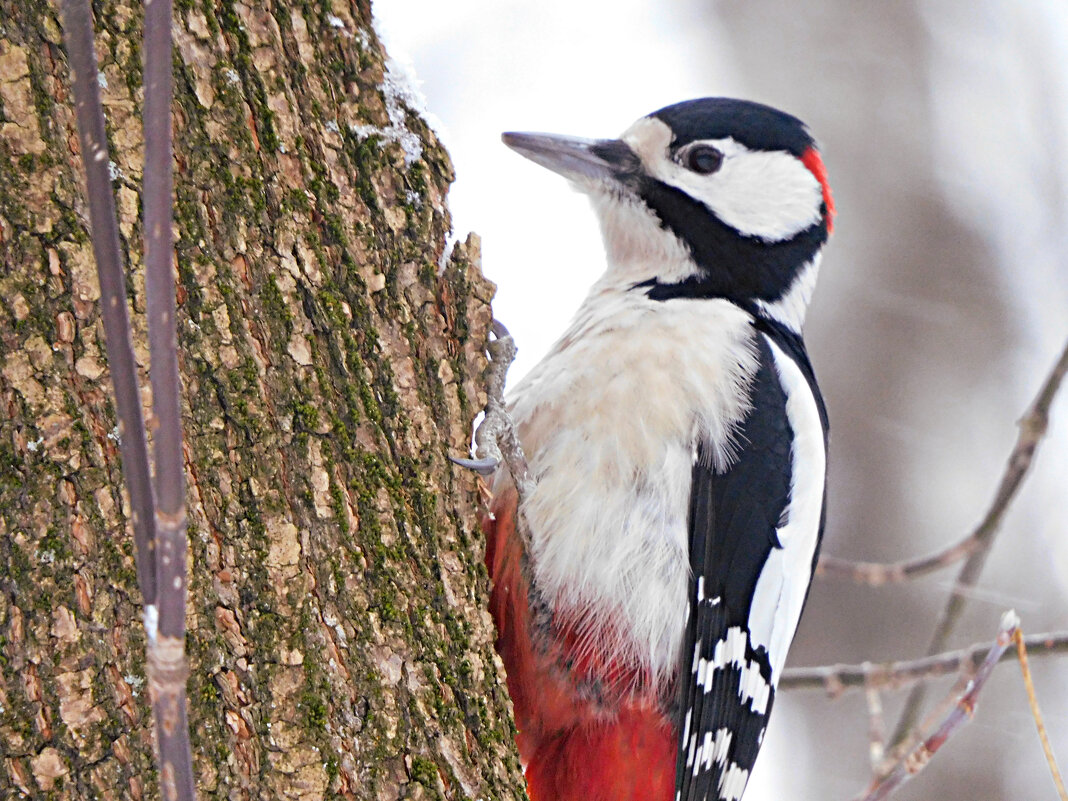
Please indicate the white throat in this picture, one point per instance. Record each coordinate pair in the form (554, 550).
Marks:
(637, 246)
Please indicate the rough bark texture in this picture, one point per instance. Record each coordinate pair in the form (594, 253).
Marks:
(338, 642)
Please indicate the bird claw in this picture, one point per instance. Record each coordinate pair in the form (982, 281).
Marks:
(484, 467)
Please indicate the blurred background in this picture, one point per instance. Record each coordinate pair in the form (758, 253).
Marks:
(942, 303)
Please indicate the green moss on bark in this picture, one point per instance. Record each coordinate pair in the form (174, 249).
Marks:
(328, 371)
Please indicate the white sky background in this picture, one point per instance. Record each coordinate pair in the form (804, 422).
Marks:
(997, 78)
(587, 69)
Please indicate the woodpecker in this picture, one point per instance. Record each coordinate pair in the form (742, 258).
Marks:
(677, 442)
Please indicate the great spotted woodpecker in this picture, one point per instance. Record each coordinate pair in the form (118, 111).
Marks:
(677, 441)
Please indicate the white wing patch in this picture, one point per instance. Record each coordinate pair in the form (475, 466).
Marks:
(784, 579)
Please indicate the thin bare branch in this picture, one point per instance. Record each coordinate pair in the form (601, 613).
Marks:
(962, 711)
(159, 530)
(157, 201)
(875, 574)
(1032, 428)
(1036, 713)
(166, 651)
(936, 713)
(839, 679)
(876, 728)
(78, 31)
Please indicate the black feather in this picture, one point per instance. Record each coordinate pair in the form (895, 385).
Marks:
(755, 125)
(734, 516)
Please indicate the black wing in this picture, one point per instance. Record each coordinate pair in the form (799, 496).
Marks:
(726, 684)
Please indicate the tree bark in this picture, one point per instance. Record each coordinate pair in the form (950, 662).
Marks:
(337, 638)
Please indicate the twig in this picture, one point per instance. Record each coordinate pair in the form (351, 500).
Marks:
(875, 574)
(935, 714)
(1036, 713)
(159, 528)
(840, 679)
(962, 711)
(876, 728)
(1032, 428)
(167, 669)
(78, 26)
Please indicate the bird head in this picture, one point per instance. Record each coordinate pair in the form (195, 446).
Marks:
(710, 198)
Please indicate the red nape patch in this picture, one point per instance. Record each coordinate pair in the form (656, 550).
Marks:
(811, 159)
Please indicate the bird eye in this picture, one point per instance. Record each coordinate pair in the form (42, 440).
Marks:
(704, 159)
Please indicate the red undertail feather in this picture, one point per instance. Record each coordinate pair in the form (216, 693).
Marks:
(577, 744)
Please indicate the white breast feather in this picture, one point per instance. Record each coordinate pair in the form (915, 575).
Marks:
(609, 421)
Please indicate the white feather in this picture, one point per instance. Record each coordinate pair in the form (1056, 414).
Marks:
(730, 654)
(608, 421)
(723, 744)
(637, 245)
(784, 579)
(732, 782)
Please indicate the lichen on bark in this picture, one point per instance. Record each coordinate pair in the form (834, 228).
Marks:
(331, 361)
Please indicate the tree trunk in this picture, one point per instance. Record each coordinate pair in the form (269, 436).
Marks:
(337, 637)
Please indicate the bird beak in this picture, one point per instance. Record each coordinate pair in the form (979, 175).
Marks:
(572, 157)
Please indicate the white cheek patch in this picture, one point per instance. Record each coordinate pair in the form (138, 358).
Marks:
(765, 194)
(768, 194)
